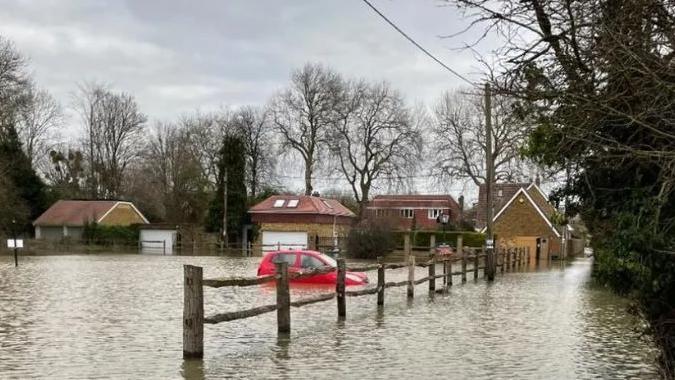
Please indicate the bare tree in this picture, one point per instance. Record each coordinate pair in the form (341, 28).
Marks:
(171, 166)
(303, 113)
(254, 126)
(113, 125)
(205, 131)
(38, 121)
(13, 82)
(459, 138)
(375, 138)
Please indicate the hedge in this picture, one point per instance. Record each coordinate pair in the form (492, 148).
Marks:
(422, 238)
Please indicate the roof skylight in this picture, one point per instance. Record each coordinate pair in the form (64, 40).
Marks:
(279, 203)
(292, 203)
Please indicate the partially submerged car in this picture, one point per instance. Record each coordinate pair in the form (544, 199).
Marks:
(304, 260)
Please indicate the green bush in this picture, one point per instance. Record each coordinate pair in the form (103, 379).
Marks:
(370, 241)
(94, 233)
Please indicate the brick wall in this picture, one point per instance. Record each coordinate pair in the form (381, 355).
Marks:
(521, 219)
(122, 215)
(320, 230)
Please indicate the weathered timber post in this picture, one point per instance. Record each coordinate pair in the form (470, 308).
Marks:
(513, 262)
(449, 271)
(380, 282)
(475, 265)
(527, 250)
(411, 277)
(432, 274)
(463, 267)
(193, 312)
(340, 289)
(485, 268)
(283, 298)
(503, 259)
(406, 245)
(460, 252)
(432, 244)
(508, 258)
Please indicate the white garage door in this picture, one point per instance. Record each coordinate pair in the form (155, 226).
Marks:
(286, 240)
(157, 241)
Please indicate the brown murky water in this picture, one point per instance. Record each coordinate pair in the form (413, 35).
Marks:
(119, 316)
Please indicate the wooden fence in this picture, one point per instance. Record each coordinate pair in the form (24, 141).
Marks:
(193, 305)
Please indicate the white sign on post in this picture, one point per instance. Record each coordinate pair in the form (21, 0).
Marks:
(11, 243)
(489, 243)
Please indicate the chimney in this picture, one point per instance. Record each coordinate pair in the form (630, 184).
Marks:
(537, 181)
(316, 194)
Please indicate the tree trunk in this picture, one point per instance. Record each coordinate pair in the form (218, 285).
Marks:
(308, 177)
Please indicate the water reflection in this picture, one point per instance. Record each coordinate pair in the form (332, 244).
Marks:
(119, 316)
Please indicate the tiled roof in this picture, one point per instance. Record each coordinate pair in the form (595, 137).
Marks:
(305, 205)
(74, 213)
(414, 200)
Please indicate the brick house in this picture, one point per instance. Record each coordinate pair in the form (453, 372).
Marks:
(414, 210)
(524, 219)
(299, 221)
(66, 218)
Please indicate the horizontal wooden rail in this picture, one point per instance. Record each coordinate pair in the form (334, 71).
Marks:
(233, 315)
(238, 281)
(250, 281)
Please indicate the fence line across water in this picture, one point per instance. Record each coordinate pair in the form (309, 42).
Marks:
(193, 302)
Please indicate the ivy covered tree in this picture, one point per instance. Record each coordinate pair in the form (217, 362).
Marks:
(596, 78)
(231, 176)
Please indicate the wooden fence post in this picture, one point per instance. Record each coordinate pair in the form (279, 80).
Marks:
(503, 259)
(513, 262)
(193, 312)
(432, 274)
(527, 251)
(406, 245)
(283, 298)
(380, 282)
(460, 253)
(508, 258)
(411, 276)
(340, 289)
(475, 265)
(449, 271)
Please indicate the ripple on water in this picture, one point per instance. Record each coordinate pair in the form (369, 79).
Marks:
(119, 316)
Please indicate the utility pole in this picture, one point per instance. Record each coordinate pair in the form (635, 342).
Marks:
(489, 180)
(225, 241)
(16, 258)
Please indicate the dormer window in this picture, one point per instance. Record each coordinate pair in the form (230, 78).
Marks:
(292, 203)
(279, 203)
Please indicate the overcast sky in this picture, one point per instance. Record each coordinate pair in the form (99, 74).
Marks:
(177, 56)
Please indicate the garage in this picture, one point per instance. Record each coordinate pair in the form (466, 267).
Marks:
(157, 240)
(272, 240)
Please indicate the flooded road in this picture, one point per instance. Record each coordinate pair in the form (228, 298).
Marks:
(119, 316)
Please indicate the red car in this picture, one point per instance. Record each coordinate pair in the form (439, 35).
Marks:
(305, 260)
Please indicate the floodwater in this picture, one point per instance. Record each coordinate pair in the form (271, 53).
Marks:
(119, 316)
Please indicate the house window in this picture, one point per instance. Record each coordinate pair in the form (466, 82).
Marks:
(500, 192)
(292, 203)
(279, 203)
(406, 213)
(434, 213)
(380, 212)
